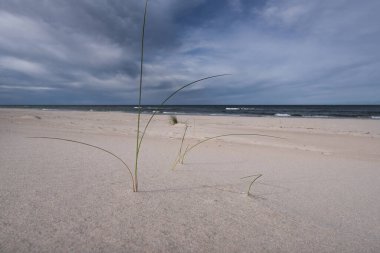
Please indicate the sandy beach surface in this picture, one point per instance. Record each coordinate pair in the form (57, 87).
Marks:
(320, 189)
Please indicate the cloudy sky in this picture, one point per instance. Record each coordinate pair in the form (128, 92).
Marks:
(278, 52)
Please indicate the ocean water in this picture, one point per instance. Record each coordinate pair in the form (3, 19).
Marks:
(318, 111)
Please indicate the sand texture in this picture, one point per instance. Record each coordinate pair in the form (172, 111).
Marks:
(320, 189)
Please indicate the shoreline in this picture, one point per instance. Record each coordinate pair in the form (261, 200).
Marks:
(199, 114)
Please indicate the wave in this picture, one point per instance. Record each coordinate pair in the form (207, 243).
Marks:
(172, 113)
(218, 114)
(282, 115)
(316, 116)
(239, 109)
(375, 117)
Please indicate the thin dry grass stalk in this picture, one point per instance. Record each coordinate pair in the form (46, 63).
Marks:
(180, 149)
(169, 97)
(183, 139)
(135, 188)
(93, 146)
(189, 148)
(250, 185)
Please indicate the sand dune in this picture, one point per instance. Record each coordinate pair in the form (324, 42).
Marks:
(320, 189)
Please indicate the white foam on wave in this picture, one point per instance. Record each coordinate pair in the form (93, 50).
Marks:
(239, 109)
(375, 117)
(282, 115)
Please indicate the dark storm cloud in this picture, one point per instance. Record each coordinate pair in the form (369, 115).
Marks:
(89, 45)
(294, 51)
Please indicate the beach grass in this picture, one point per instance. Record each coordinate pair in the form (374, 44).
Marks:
(191, 147)
(139, 134)
(255, 177)
(93, 146)
(135, 187)
(173, 120)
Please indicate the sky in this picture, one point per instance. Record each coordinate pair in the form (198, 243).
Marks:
(277, 52)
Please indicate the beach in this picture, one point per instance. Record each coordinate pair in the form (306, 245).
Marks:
(319, 190)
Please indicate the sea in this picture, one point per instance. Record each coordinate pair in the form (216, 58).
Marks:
(299, 111)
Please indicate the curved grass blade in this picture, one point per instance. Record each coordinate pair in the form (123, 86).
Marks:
(93, 146)
(256, 177)
(170, 96)
(223, 135)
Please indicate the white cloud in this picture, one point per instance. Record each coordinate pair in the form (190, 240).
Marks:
(22, 66)
(31, 88)
(17, 27)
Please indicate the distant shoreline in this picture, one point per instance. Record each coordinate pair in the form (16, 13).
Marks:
(281, 111)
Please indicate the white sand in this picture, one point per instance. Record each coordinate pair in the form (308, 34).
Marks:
(320, 189)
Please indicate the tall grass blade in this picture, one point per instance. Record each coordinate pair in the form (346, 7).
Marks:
(140, 89)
